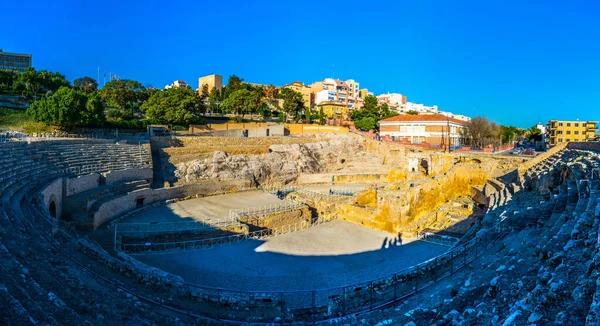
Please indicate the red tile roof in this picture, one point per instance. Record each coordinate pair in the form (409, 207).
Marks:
(422, 117)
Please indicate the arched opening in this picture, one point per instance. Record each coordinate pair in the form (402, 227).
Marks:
(52, 209)
(425, 166)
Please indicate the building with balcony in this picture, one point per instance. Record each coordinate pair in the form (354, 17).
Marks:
(564, 131)
(207, 83)
(14, 61)
(335, 90)
(333, 109)
(434, 129)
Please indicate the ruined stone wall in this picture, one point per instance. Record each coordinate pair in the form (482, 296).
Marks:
(121, 205)
(404, 208)
(279, 219)
(82, 183)
(53, 192)
(590, 146)
(114, 177)
(538, 159)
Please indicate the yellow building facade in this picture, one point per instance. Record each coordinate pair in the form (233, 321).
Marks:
(562, 131)
(333, 109)
(207, 83)
(307, 93)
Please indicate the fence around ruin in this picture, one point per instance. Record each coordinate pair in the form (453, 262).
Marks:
(207, 243)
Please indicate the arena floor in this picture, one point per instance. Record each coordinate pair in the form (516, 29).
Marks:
(333, 254)
(202, 209)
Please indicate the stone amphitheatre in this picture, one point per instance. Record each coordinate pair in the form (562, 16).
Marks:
(313, 228)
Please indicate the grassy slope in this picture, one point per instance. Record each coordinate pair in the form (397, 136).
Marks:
(19, 120)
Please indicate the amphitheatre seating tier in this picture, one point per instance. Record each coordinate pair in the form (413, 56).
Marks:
(38, 284)
(546, 270)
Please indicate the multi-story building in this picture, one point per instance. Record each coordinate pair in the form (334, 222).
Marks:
(307, 94)
(328, 90)
(451, 115)
(564, 131)
(364, 92)
(177, 84)
(394, 99)
(207, 83)
(409, 106)
(333, 109)
(14, 61)
(434, 129)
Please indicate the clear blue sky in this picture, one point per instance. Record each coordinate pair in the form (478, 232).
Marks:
(507, 60)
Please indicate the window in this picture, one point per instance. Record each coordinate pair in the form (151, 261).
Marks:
(568, 124)
(568, 132)
(576, 124)
(559, 132)
(560, 140)
(560, 124)
(568, 140)
(576, 132)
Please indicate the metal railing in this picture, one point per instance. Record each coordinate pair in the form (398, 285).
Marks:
(207, 243)
(443, 240)
(172, 227)
(286, 206)
(279, 306)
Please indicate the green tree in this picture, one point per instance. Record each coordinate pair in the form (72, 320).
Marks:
(534, 134)
(34, 83)
(8, 78)
(370, 108)
(87, 84)
(67, 107)
(235, 83)
(93, 115)
(293, 103)
(412, 112)
(367, 123)
(174, 105)
(239, 102)
(123, 94)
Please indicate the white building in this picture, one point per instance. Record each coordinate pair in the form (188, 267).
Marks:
(177, 84)
(434, 129)
(455, 116)
(421, 108)
(392, 99)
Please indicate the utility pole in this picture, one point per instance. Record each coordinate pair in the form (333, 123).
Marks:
(448, 126)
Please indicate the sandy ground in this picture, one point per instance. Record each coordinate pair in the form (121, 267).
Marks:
(201, 209)
(329, 255)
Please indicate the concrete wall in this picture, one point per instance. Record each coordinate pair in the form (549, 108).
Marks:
(297, 129)
(113, 177)
(54, 193)
(82, 183)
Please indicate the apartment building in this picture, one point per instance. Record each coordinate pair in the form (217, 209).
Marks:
(207, 83)
(333, 109)
(14, 61)
(434, 129)
(335, 90)
(393, 100)
(564, 131)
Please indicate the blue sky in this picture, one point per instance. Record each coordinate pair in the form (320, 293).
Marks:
(507, 60)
